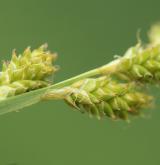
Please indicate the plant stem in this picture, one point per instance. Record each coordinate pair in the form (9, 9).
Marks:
(18, 102)
(105, 69)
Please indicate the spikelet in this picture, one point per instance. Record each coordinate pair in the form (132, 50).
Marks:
(154, 34)
(31, 65)
(102, 97)
(19, 87)
(29, 71)
(140, 64)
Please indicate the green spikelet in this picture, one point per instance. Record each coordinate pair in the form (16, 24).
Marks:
(19, 87)
(31, 65)
(102, 97)
(29, 71)
(154, 34)
(140, 64)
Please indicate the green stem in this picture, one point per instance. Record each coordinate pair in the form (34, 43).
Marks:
(18, 102)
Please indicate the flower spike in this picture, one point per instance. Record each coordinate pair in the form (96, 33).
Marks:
(29, 71)
(103, 97)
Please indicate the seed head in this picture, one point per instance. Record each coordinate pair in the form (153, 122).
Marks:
(19, 87)
(26, 72)
(103, 97)
(31, 65)
(154, 34)
(140, 64)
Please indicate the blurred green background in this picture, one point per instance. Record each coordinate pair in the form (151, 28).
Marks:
(86, 34)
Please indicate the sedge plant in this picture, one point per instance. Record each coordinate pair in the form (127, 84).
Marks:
(115, 90)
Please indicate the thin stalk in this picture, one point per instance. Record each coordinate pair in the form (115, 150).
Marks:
(105, 69)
